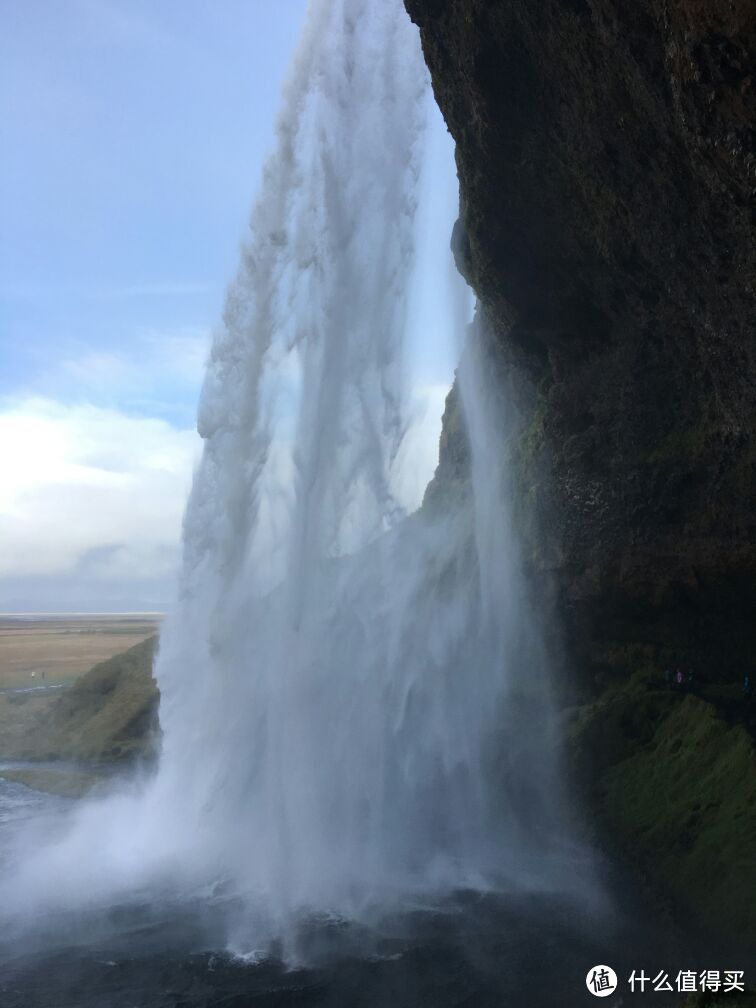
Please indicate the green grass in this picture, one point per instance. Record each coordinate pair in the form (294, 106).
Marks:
(108, 715)
(676, 784)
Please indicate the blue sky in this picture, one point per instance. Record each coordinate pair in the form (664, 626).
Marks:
(133, 135)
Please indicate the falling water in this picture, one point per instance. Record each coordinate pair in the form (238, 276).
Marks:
(354, 699)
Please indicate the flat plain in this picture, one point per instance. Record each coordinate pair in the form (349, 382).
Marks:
(40, 650)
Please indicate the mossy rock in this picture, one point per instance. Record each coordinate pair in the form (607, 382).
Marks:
(718, 1000)
(622, 719)
(688, 799)
(672, 779)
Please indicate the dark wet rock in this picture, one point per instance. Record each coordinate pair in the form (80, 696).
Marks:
(606, 164)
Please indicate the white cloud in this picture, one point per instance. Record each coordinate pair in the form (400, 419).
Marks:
(92, 496)
(90, 489)
(156, 359)
(155, 373)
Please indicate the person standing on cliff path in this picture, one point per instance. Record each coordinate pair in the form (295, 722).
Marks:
(679, 679)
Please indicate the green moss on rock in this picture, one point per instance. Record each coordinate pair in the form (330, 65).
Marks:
(688, 800)
(675, 783)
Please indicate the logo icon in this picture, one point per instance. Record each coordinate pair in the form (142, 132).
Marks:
(601, 981)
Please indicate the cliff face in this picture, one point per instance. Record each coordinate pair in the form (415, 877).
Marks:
(606, 167)
(605, 160)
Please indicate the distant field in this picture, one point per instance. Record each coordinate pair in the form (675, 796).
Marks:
(47, 650)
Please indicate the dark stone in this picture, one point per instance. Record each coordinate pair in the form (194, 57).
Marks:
(605, 159)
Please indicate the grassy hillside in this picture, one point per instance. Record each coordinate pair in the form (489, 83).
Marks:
(108, 715)
(675, 781)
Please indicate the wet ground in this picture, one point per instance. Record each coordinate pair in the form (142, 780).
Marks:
(482, 952)
(471, 951)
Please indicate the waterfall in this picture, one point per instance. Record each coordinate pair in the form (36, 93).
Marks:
(355, 698)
